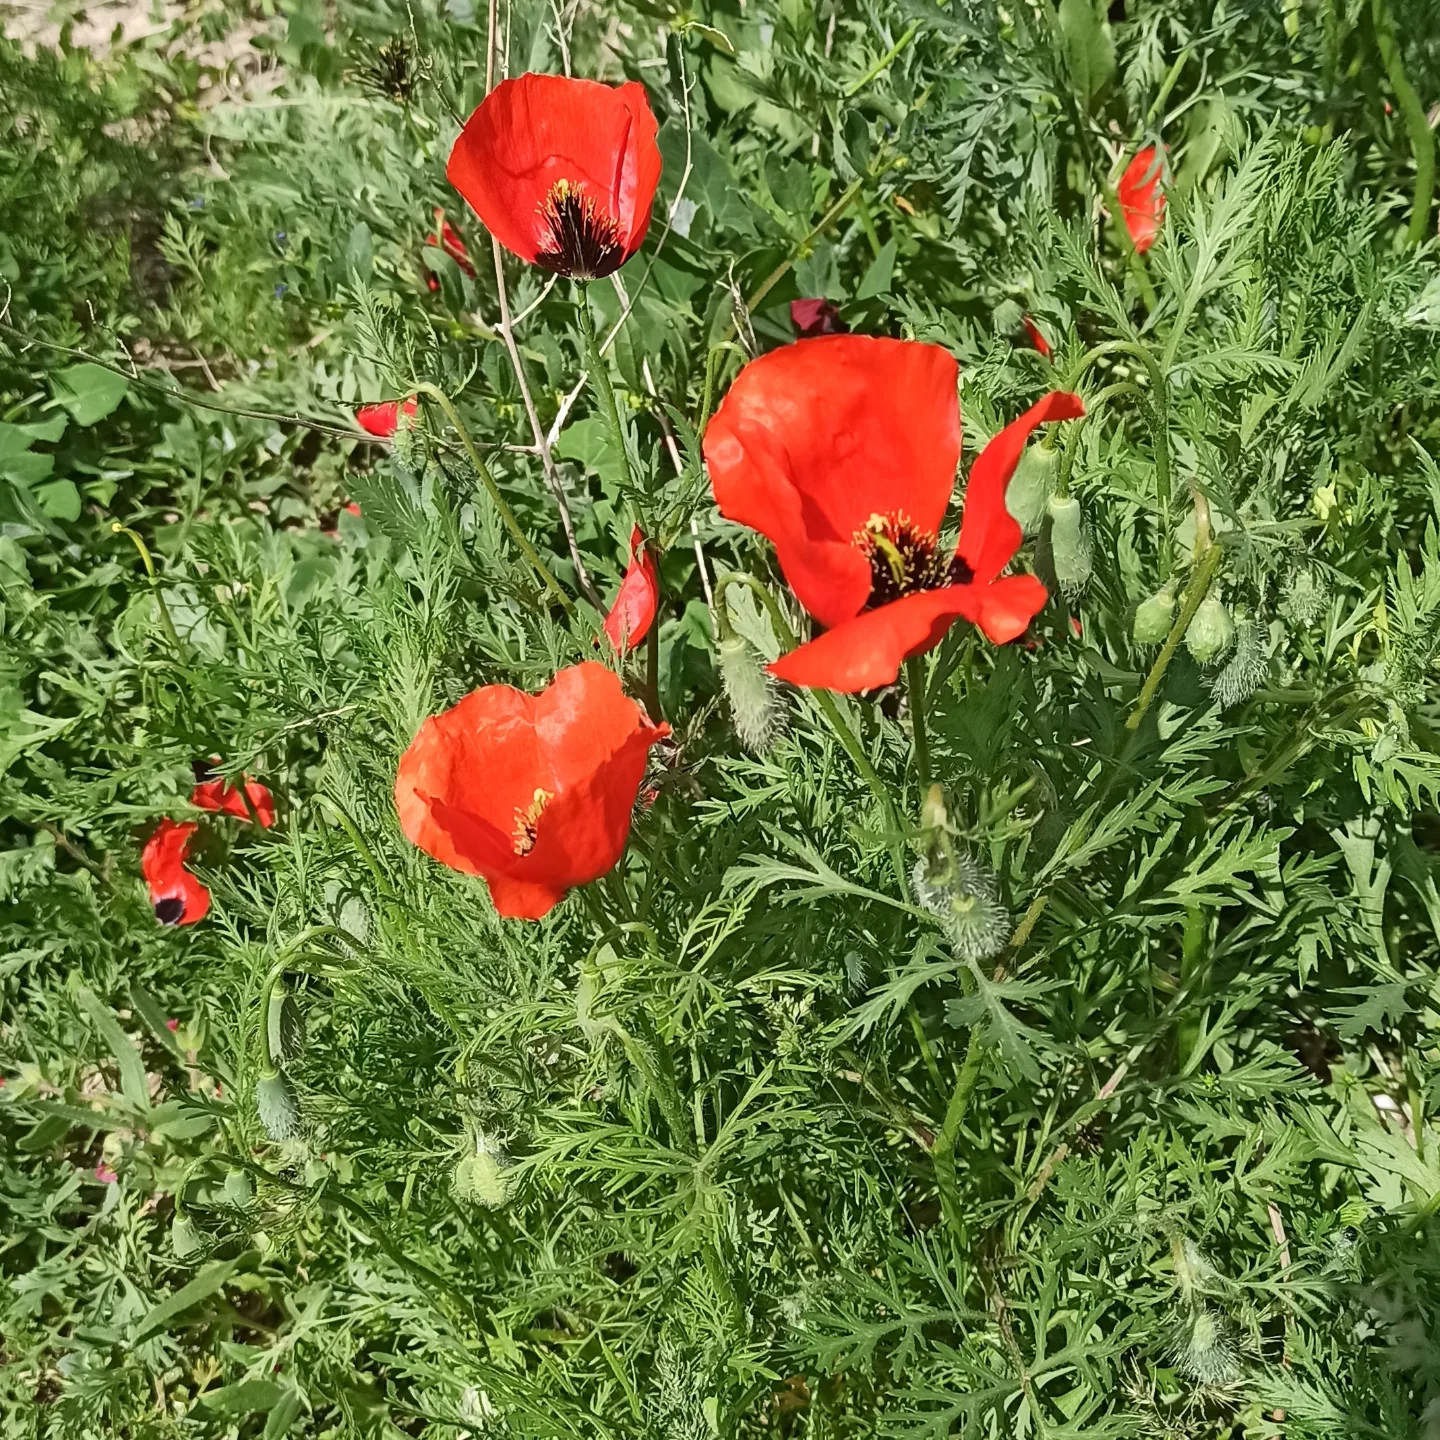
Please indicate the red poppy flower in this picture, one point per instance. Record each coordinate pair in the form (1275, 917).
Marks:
(351, 508)
(1037, 337)
(1142, 198)
(384, 419)
(179, 898)
(843, 452)
(226, 799)
(633, 612)
(562, 172)
(445, 237)
(533, 792)
(816, 317)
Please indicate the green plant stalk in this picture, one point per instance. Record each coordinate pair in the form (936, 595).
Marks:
(600, 378)
(167, 623)
(1195, 592)
(1192, 955)
(883, 63)
(502, 508)
(1417, 123)
(915, 687)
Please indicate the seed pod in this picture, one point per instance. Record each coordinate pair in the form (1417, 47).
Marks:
(1154, 617)
(962, 893)
(1069, 545)
(284, 1025)
(1031, 486)
(1210, 631)
(278, 1106)
(480, 1179)
(754, 703)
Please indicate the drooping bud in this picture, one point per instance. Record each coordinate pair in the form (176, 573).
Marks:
(284, 1025)
(185, 1237)
(1031, 486)
(754, 701)
(1069, 545)
(1154, 617)
(1211, 630)
(480, 1179)
(278, 1106)
(961, 892)
(1247, 667)
(239, 1191)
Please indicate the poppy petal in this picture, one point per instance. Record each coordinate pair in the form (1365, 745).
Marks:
(989, 534)
(224, 799)
(816, 317)
(384, 419)
(815, 438)
(535, 133)
(1037, 336)
(633, 612)
(178, 896)
(1142, 197)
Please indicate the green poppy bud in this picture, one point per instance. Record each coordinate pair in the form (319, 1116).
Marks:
(1069, 545)
(1248, 666)
(480, 1179)
(961, 892)
(1210, 631)
(284, 1025)
(1306, 597)
(239, 1192)
(185, 1237)
(277, 1106)
(754, 703)
(1031, 486)
(1154, 617)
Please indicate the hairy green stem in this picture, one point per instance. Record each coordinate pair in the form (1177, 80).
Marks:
(145, 559)
(915, 687)
(600, 379)
(1195, 592)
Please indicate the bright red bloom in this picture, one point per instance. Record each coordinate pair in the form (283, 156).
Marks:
(562, 172)
(384, 419)
(351, 508)
(816, 317)
(226, 799)
(534, 792)
(633, 612)
(179, 898)
(843, 452)
(445, 237)
(1037, 337)
(1142, 197)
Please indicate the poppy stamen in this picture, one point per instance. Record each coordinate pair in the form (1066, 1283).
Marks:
(581, 240)
(169, 910)
(526, 821)
(902, 558)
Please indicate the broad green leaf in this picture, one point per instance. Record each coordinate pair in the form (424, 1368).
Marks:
(876, 280)
(59, 499)
(132, 1068)
(89, 392)
(205, 1284)
(1089, 48)
(243, 1398)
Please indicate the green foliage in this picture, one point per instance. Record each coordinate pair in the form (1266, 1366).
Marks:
(1108, 1116)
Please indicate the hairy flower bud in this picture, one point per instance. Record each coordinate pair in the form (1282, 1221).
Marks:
(1069, 545)
(1210, 631)
(1306, 596)
(754, 703)
(185, 1237)
(239, 1191)
(284, 1025)
(1247, 667)
(278, 1106)
(480, 1179)
(961, 892)
(1154, 617)
(1031, 486)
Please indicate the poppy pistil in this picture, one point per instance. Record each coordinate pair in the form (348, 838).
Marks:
(580, 239)
(903, 558)
(526, 821)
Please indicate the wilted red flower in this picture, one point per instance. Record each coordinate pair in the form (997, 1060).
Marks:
(843, 452)
(226, 799)
(533, 792)
(445, 237)
(816, 317)
(179, 898)
(384, 419)
(1142, 197)
(634, 609)
(1037, 337)
(562, 172)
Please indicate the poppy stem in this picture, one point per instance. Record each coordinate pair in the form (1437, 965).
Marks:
(600, 379)
(1195, 592)
(1417, 123)
(915, 688)
(502, 508)
(117, 528)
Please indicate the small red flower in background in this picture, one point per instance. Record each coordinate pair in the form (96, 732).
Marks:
(178, 897)
(816, 317)
(172, 1024)
(351, 508)
(384, 419)
(562, 172)
(105, 1175)
(633, 612)
(445, 237)
(1142, 197)
(532, 792)
(843, 452)
(1037, 337)
(226, 799)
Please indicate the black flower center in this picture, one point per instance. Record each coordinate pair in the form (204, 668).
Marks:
(904, 559)
(169, 911)
(580, 240)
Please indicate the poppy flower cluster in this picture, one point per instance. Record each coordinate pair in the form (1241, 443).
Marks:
(562, 172)
(842, 452)
(178, 895)
(532, 792)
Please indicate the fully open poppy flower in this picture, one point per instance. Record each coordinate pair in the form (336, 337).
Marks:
(445, 237)
(533, 792)
(178, 897)
(816, 317)
(562, 172)
(1036, 335)
(1142, 197)
(226, 799)
(633, 612)
(842, 451)
(384, 419)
